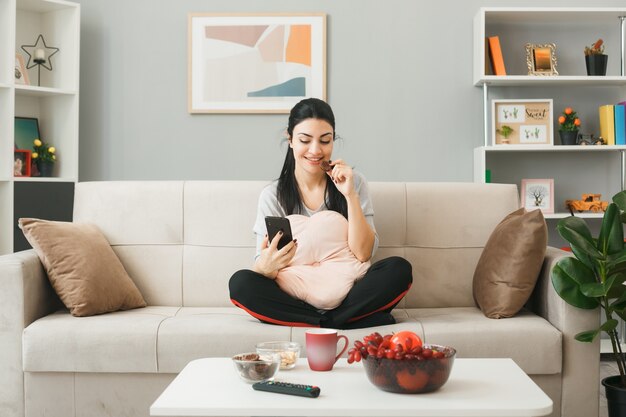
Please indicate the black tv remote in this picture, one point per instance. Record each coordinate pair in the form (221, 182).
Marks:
(310, 391)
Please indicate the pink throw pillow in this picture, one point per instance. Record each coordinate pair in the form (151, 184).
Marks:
(324, 268)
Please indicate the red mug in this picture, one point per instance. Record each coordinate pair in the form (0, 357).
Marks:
(321, 348)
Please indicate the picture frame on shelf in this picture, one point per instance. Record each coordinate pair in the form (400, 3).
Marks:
(26, 131)
(255, 63)
(538, 194)
(541, 59)
(21, 163)
(21, 74)
(522, 122)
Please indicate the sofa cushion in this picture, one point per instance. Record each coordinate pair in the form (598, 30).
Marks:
(200, 332)
(152, 339)
(324, 269)
(509, 265)
(83, 269)
(532, 342)
(124, 341)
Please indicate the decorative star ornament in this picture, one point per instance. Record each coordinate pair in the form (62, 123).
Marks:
(30, 51)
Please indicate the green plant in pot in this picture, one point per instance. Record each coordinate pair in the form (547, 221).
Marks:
(568, 127)
(44, 157)
(595, 59)
(595, 277)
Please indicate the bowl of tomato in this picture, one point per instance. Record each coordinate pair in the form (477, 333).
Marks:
(403, 364)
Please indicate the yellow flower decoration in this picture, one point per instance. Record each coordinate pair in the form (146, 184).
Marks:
(51, 149)
(54, 157)
(34, 155)
(37, 142)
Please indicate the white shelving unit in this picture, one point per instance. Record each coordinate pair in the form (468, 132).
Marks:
(571, 29)
(575, 169)
(54, 103)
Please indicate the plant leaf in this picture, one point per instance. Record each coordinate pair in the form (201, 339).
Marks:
(620, 200)
(621, 314)
(619, 304)
(618, 288)
(583, 257)
(616, 262)
(568, 275)
(587, 336)
(575, 231)
(611, 238)
(610, 324)
(597, 289)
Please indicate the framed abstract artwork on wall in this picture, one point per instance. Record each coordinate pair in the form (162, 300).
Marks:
(255, 63)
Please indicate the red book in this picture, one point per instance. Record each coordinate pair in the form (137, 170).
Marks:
(495, 55)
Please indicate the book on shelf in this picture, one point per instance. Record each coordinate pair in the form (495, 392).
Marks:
(495, 55)
(620, 123)
(607, 123)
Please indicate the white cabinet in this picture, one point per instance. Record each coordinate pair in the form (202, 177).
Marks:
(54, 103)
(575, 169)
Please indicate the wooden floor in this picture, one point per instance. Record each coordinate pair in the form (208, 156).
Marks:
(607, 368)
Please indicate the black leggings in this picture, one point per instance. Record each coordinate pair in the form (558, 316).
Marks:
(368, 303)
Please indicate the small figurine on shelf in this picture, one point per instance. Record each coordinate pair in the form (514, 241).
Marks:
(44, 157)
(588, 139)
(588, 202)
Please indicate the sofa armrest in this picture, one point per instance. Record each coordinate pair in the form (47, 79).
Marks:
(581, 361)
(25, 296)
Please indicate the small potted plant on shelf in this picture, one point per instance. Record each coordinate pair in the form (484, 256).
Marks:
(595, 59)
(44, 157)
(568, 127)
(594, 277)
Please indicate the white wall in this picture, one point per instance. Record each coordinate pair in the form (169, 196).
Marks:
(399, 79)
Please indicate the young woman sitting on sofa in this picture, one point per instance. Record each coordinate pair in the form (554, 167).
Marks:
(323, 277)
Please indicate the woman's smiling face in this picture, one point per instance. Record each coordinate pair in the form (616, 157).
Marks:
(312, 143)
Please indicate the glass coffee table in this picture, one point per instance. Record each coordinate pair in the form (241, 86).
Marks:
(477, 387)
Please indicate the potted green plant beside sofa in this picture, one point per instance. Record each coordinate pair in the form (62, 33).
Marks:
(595, 277)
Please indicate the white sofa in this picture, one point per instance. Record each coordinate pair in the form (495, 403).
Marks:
(181, 241)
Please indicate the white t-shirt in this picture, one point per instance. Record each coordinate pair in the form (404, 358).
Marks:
(269, 206)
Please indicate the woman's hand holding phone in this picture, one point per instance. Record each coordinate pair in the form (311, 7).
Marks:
(273, 259)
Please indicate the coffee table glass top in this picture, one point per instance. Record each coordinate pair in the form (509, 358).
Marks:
(477, 387)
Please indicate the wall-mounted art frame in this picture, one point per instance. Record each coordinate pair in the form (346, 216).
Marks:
(522, 122)
(21, 74)
(21, 163)
(255, 63)
(538, 194)
(541, 59)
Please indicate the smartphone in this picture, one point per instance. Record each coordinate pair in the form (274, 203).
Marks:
(274, 224)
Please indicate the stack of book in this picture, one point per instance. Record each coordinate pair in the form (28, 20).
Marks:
(613, 123)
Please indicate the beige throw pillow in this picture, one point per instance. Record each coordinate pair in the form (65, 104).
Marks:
(83, 269)
(509, 266)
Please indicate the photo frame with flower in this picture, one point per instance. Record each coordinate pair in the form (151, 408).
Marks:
(522, 122)
(538, 194)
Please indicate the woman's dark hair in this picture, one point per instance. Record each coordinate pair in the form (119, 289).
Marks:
(288, 193)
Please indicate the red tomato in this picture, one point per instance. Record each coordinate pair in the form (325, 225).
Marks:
(408, 340)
